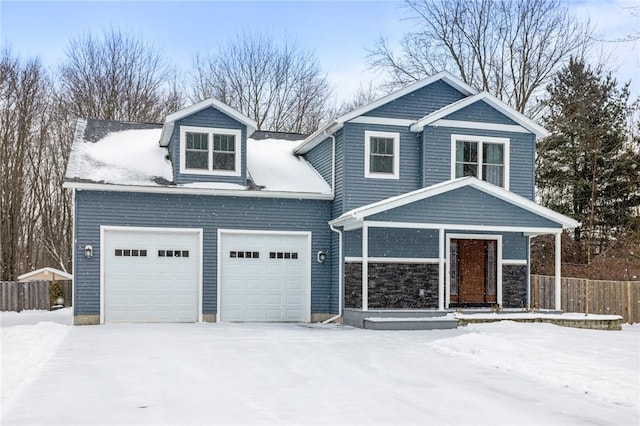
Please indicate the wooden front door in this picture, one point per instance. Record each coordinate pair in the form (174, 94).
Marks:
(473, 272)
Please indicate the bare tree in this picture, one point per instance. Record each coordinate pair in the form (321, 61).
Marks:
(25, 96)
(507, 47)
(361, 96)
(278, 85)
(117, 77)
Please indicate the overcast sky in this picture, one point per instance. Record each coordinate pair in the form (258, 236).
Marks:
(339, 32)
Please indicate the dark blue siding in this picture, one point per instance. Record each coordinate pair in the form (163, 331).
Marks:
(465, 206)
(419, 103)
(437, 156)
(320, 157)
(208, 117)
(482, 112)
(339, 190)
(423, 243)
(192, 211)
(394, 242)
(358, 190)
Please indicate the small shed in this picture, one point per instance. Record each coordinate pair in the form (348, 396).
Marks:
(45, 274)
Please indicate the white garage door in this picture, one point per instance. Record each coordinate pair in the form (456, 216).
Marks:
(151, 275)
(264, 277)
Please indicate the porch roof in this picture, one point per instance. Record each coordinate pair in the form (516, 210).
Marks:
(498, 199)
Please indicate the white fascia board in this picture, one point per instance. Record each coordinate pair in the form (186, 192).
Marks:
(226, 109)
(335, 125)
(88, 186)
(492, 101)
(363, 119)
(165, 136)
(318, 136)
(401, 200)
(361, 213)
(477, 125)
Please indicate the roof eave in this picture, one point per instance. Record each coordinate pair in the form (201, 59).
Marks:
(318, 136)
(211, 102)
(98, 186)
(516, 116)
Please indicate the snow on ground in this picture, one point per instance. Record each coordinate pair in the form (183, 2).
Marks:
(26, 348)
(593, 362)
(499, 373)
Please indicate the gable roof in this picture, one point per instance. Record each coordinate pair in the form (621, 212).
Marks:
(211, 102)
(45, 274)
(360, 213)
(489, 99)
(336, 124)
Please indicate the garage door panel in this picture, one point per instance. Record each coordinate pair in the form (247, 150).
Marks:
(272, 266)
(152, 288)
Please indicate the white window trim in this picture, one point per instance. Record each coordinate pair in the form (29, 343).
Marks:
(481, 140)
(368, 134)
(210, 131)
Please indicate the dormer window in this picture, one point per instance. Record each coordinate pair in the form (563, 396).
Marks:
(485, 158)
(382, 155)
(210, 151)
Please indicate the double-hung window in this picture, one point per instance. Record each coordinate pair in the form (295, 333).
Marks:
(210, 151)
(382, 155)
(485, 158)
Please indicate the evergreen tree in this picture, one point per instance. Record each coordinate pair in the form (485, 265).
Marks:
(588, 167)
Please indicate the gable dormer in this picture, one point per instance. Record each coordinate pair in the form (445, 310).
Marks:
(207, 143)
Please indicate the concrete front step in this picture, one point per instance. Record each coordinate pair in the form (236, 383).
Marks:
(391, 323)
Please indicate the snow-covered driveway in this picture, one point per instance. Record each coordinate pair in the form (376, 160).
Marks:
(185, 374)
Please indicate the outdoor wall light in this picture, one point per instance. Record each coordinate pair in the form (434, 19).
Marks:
(321, 256)
(88, 251)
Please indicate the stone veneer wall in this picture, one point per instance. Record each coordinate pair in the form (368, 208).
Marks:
(393, 286)
(514, 286)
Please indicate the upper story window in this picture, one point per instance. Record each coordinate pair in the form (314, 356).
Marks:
(382, 155)
(210, 151)
(486, 158)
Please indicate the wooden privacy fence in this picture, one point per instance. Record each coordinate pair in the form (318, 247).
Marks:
(19, 296)
(589, 296)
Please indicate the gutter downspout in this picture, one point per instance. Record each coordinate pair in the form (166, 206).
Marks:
(340, 277)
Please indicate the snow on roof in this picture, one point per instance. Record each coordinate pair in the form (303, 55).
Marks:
(45, 274)
(122, 154)
(273, 165)
(126, 157)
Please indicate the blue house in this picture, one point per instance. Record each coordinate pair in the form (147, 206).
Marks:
(422, 201)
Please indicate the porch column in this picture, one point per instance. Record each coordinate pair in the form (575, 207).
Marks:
(441, 266)
(558, 271)
(365, 267)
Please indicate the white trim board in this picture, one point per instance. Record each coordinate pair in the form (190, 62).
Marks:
(476, 125)
(363, 119)
(324, 132)
(92, 186)
(358, 214)
(492, 101)
(210, 132)
(107, 228)
(514, 262)
(481, 140)
(417, 260)
(368, 174)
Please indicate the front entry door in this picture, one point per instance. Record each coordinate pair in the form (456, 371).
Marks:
(473, 272)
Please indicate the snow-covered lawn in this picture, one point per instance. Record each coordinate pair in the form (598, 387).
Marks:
(181, 374)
